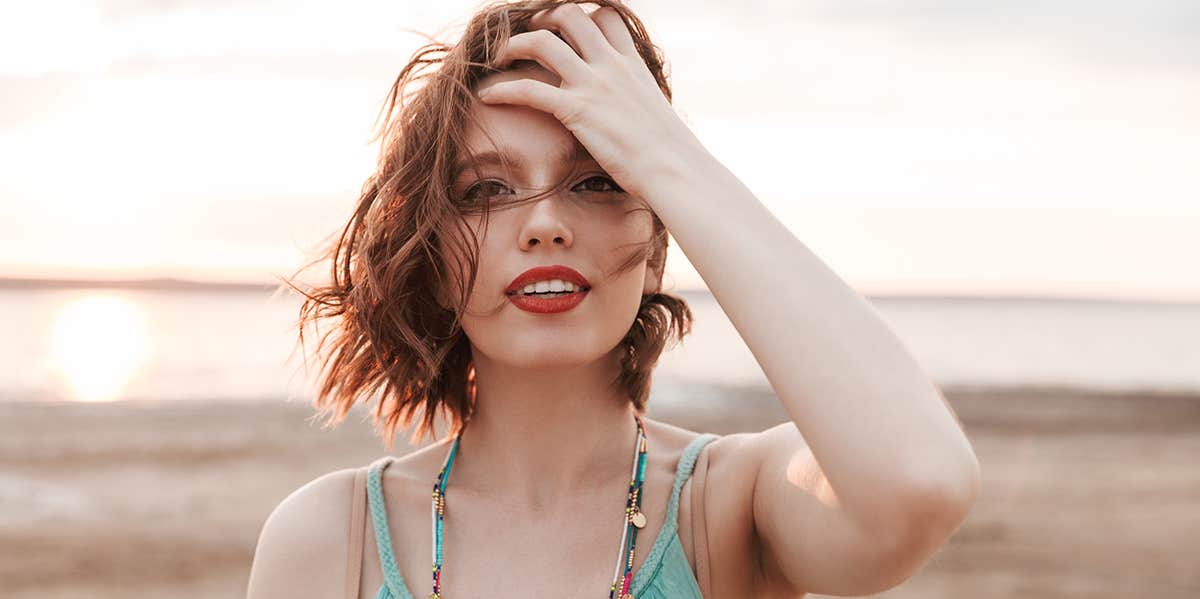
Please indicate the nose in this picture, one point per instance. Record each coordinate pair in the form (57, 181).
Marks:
(544, 223)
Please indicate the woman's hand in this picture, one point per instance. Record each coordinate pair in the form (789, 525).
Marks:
(606, 97)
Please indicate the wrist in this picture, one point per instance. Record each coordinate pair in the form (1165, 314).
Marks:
(674, 162)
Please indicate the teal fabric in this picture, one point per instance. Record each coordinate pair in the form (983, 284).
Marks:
(665, 574)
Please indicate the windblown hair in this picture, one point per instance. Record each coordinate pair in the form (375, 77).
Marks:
(393, 335)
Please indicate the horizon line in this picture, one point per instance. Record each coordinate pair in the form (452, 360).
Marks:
(186, 284)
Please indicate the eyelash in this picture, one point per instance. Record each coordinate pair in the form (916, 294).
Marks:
(615, 188)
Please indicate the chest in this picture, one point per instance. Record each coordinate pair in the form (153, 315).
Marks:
(498, 551)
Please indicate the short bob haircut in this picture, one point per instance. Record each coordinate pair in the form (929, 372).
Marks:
(393, 335)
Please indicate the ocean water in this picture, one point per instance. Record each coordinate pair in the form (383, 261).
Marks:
(105, 345)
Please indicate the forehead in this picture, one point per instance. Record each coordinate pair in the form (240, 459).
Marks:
(520, 69)
(516, 126)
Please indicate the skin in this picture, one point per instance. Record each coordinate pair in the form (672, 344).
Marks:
(851, 497)
(541, 377)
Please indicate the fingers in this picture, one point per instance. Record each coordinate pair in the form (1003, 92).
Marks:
(577, 27)
(527, 91)
(547, 49)
(613, 27)
(567, 41)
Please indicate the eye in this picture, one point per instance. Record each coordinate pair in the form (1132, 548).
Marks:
(481, 190)
(601, 180)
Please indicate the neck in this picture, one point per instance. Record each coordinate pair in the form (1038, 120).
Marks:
(537, 436)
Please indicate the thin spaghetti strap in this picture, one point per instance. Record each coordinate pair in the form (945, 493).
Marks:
(686, 462)
(699, 529)
(358, 522)
(670, 529)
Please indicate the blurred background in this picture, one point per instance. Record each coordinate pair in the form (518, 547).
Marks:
(1015, 186)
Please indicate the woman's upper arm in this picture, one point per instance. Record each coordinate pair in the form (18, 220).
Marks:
(301, 549)
(803, 540)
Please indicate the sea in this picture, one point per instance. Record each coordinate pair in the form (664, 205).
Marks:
(81, 344)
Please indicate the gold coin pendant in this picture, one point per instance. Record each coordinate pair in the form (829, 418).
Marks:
(638, 519)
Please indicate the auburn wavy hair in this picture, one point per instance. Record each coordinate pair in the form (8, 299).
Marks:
(393, 338)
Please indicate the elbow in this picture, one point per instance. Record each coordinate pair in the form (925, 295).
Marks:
(932, 515)
(933, 509)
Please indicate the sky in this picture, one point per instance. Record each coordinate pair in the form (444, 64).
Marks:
(917, 146)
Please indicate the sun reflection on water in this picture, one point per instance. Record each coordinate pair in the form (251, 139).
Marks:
(98, 342)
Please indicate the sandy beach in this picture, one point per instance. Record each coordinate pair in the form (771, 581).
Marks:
(1085, 494)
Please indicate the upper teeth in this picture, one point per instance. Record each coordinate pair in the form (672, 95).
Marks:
(551, 285)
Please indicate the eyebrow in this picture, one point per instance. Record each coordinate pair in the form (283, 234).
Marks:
(575, 154)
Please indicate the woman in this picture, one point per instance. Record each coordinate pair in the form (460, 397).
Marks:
(503, 269)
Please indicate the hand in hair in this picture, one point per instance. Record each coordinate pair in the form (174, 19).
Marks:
(606, 97)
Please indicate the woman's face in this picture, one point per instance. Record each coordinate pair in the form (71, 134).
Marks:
(585, 225)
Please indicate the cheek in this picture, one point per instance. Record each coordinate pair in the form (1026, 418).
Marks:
(639, 225)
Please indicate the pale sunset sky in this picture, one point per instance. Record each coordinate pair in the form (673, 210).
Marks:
(917, 146)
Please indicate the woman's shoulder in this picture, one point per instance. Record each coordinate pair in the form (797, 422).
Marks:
(331, 493)
(326, 495)
(301, 548)
(671, 437)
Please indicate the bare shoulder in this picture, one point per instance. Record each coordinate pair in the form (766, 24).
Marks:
(720, 560)
(303, 543)
(732, 464)
(667, 436)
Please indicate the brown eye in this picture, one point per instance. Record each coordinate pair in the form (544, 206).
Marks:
(481, 191)
(602, 181)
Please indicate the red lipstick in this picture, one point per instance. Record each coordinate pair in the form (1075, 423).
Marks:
(551, 303)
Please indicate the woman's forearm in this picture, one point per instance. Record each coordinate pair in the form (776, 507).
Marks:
(875, 422)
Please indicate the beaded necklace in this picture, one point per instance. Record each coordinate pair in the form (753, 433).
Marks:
(632, 521)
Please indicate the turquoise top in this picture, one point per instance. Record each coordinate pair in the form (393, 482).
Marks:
(665, 574)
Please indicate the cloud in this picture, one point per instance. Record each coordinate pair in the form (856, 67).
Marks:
(1159, 31)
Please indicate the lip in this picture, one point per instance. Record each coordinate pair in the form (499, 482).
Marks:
(542, 273)
(548, 305)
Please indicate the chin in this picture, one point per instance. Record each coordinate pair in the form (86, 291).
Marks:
(545, 355)
(521, 346)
